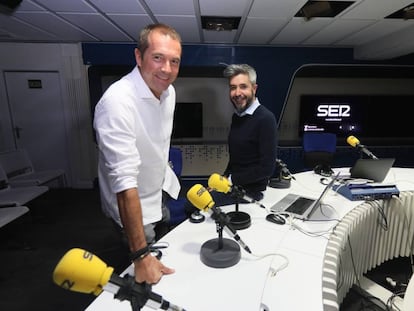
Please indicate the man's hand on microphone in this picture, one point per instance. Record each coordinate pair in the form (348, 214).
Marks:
(150, 270)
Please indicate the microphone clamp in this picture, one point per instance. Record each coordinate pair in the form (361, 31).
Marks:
(137, 293)
(237, 192)
(284, 172)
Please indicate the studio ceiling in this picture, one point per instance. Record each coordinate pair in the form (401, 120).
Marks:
(368, 26)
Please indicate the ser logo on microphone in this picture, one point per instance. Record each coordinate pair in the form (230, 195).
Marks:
(201, 191)
(333, 111)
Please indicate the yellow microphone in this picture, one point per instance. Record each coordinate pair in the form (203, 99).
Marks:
(222, 184)
(201, 198)
(219, 183)
(81, 271)
(354, 142)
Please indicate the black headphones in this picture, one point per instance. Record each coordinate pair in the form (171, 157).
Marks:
(323, 169)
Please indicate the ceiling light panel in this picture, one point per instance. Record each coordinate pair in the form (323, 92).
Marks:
(224, 7)
(179, 7)
(269, 27)
(67, 6)
(275, 9)
(295, 33)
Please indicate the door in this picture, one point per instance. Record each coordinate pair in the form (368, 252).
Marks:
(37, 115)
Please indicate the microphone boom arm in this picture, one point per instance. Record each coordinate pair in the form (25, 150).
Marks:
(223, 222)
(364, 149)
(239, 193)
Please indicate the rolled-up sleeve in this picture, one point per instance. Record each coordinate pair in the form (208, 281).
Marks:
(116, 141)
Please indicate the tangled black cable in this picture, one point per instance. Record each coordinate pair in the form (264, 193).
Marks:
(382, 221)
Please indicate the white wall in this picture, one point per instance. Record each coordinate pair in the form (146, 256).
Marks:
(213, 93)
(66, 59)
(210, 154)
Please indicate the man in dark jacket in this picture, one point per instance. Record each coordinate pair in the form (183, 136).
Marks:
(252, 138)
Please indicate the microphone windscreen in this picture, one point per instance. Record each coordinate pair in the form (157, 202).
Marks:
(219, 183)
(81, 271)
(200, 197)
(353, 141)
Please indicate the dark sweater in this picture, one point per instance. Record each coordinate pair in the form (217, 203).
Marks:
(252, 145)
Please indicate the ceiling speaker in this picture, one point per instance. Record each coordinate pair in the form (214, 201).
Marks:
(220, 23)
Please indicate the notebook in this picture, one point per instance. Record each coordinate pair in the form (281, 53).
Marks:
(374, 169)
(299, 206)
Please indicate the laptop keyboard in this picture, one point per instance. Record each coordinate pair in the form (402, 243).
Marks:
(299, 206)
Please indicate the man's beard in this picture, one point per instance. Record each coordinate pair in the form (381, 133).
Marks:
(249, 102)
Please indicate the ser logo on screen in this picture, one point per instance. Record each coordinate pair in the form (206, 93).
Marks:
(333, 110)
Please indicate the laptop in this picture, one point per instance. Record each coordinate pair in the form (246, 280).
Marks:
(299, 206)
(373, 169)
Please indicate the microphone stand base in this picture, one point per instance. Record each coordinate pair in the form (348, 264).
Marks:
(214, 256)
(196, 217)
(239, 220)
(279, 183)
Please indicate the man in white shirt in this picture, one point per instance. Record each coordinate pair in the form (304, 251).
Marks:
(133, 122)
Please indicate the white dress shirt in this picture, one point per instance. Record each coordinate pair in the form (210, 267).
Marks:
(133, 131)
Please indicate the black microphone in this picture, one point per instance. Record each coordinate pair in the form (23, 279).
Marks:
(81, 271)
(354, 142)
(222, 184)
(284, 171)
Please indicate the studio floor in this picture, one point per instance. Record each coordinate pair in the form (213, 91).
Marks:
(62, 219)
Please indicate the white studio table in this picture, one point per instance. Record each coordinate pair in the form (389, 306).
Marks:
(318, 274)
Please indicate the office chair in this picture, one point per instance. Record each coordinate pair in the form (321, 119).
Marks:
(318, 151)
(20, 171)
(176, 207)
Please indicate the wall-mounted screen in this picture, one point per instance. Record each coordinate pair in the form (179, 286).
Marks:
(188, 120)
(341, 115)
(365, 116)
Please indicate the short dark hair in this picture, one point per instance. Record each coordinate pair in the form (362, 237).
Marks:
(163, 28)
